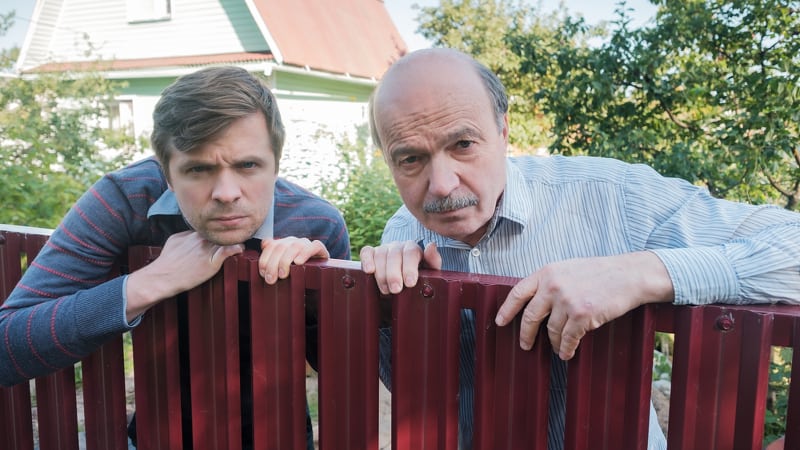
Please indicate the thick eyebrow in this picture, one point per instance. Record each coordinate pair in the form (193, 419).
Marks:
(458, 134)
(465, 132)
(400, 152)
(192, 161)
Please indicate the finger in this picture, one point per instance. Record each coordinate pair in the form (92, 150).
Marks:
(380, 254)
(314, 249)
(431, 257)
(367, 257)
(534, 314)
(555, 328)
(410, 264)
(519, 296)
(291, 251)
(221, 253)
(269, 260)
(303, 250)
(394, 267)
(571, 336)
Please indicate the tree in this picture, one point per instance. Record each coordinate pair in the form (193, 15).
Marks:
(54, 141)
(707, 92)
(505, 35)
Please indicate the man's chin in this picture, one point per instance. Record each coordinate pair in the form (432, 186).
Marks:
(227, 238)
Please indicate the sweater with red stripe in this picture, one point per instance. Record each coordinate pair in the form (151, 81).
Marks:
(65, 306)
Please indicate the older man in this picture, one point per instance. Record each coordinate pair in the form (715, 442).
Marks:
(591, 238)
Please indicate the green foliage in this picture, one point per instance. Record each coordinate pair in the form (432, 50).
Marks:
(55, 143)
(780, 373)
(7, 56)
(504, 35)
(708, 93)
(363, 190)
(662, 356)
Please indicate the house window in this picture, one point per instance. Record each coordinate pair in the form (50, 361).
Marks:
(148, 10)
(120, 116)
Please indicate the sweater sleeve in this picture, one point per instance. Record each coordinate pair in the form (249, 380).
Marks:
(301, 213)
(66, 305)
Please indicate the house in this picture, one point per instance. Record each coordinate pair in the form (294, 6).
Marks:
(322, 58)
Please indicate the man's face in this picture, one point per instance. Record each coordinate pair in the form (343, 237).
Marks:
(225, 187)
(443, 145)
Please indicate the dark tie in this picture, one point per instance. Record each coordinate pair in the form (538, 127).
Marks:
(253, 244)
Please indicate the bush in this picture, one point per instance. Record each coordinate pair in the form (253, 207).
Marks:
(363, 190)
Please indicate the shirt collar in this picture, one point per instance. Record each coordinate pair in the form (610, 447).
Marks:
(513, 207)
(167, 205)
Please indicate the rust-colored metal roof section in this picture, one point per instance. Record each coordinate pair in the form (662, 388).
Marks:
(355, 37)
(150, 63)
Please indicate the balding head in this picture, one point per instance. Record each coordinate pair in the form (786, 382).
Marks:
(438, 69)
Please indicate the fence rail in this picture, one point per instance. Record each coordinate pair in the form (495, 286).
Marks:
(239, 346)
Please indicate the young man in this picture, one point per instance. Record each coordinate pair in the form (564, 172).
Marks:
(218, 138)
(591, 238)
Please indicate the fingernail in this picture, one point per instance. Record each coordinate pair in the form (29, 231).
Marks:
(410, 281)
(525, 346)
(499, 320)
(395, 288)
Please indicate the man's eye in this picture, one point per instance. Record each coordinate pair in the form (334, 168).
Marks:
(407, 160)
(248, 165)
(464, 144)
(197, 169)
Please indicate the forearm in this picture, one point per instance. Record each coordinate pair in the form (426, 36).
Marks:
(41, 335)
(763, 268)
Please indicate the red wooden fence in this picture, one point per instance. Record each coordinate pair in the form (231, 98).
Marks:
(718, 394)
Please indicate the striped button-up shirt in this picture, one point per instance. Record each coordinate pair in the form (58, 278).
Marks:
(557, 208)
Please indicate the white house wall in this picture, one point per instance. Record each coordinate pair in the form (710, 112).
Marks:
(195, 27)
(313, 131)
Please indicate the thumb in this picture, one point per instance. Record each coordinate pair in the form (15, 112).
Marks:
(223, 252)
(431, 259)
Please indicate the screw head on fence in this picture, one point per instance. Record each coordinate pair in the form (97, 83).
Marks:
(348, 282)
(725, 322)
(427, 290)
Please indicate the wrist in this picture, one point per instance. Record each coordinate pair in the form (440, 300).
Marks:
(655, 280)
(143, 290)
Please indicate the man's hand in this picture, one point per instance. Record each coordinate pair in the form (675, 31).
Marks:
(277, 256)
(186, 260)
(396, 264)
(580, 295)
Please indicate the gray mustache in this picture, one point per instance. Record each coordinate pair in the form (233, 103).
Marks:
(449, 204)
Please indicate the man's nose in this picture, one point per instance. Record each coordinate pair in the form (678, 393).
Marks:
(226, 187)
(443, 177)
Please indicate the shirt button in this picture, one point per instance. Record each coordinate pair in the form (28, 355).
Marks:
(475, 252)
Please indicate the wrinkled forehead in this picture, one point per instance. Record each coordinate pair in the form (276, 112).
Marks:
(423, 81)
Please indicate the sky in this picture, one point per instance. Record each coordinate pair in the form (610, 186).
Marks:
(401, 11)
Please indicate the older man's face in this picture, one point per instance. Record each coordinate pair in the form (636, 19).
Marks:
(441, 139)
